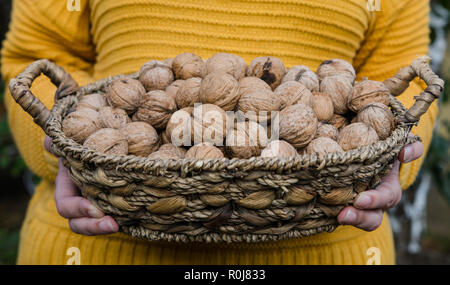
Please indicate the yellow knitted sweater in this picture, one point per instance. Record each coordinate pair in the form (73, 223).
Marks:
(109, 37)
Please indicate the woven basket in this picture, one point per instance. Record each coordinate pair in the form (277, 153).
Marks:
(216, 200)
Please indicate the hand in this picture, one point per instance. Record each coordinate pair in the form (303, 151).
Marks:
(83, 217)
(367, 210)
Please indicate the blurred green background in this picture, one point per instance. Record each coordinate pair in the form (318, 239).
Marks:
(421, 222)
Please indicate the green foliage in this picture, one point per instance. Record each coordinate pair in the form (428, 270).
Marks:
(438, 162)
(10, 159)
(9, 241)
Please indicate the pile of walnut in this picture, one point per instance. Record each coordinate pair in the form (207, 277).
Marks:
(316, 112)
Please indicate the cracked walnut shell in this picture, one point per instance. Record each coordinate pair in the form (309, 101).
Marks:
(268, 68)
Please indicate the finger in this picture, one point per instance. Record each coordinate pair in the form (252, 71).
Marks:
(386, 195)
(90, 227)
(48, 145)
(367, 220)
(69, 202)
(411, 152)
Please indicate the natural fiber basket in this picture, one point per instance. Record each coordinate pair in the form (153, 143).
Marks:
(232, 200)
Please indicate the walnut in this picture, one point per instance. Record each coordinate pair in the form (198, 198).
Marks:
(187, 65)
(80, 124)
(92, 101)
(156, 109)
(379, 117)
(248, 84)
(336, 67)
(340, 89)
(126, 94)
(179, 151)
(156, 78)
(179, 129)
(221, 89)
(257, 105)
(172, 89)
(188, 93)
(246, 140)
(356, 135)
(304, 75)
(108, 141)
(279, 148)
(338, 121)
(204, 150)
(209, 124)
(327, 131)
(297, 125)
(268, 68)
(368, 91)
(323, 106)
(154, 63)
(164, 154)
(142, 138)
(228, 63)
(293, 92)
(323, 146)
(113, 118)
(168, 62)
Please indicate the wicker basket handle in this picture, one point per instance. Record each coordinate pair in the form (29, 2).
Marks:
(20, 89)
(400, 82)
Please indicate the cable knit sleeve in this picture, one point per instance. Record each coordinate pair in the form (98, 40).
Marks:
(43, 29)
(399, 33)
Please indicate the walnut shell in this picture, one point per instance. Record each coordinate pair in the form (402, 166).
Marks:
(156, 109)
(126, 94)
(179, 128)
(298, 125)
(204, 150)
(172, 89)
(188, 93)
(366, 92)
(257, 105)
(156, 78)
(279, 148)
(108, 141)
(228, 63)
(165, 154)
(379, 117)
(303, 75)
(338, 121)
(113, 118)
(293, 92)
(248, 84)
(327, 131)
(246, 140)
(187, 65)
(80, 124)
(92, 101)
(268, 68)
(221, 89)
(142, 138)
(322, 146)
(154, 63)
(336, 67)
(209, 124)
(356, 135)
(340, 89)
(179, 151)
(323, 106)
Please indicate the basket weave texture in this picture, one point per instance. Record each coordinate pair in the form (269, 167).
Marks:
(222, 200)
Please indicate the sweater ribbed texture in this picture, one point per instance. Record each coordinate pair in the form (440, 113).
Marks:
(109, 37)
